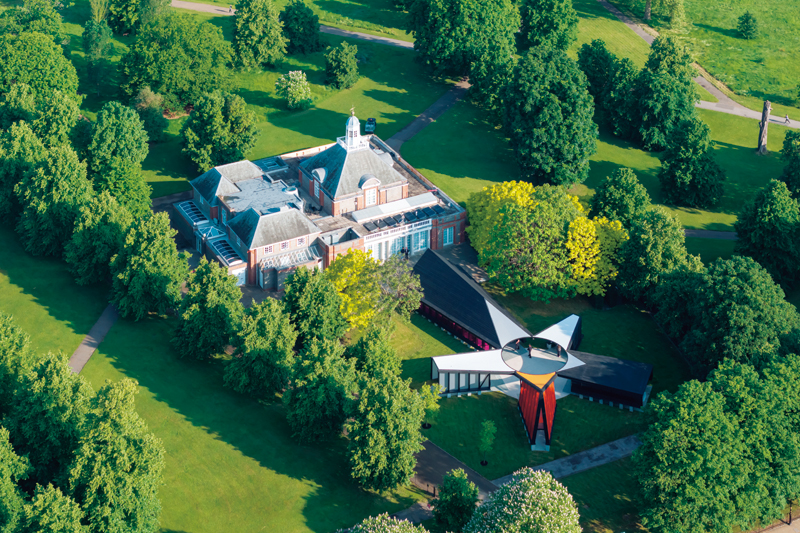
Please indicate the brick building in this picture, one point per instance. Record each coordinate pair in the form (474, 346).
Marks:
(263, 219)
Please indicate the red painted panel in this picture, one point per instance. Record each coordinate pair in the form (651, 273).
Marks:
(550, 409)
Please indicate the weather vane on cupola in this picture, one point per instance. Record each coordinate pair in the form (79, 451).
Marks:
(353, 111)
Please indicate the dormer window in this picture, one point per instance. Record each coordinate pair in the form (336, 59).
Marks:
(371, 196)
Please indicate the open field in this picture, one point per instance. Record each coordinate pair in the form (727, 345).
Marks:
(231, 464)
(765, 68)
(43, 298)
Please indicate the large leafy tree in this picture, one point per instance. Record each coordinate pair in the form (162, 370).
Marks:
(314, 306)
(179, 57)
(384, 431)
(374, 352)
(97, 47)
(52, 511)
(769, 231)
(264, 357)
(593, 247)
(355, 277)
(673, 297)
(116, 152)
(690, 464)
(598, 64)
(401, 292)
(656, 245)
(99, 234)
(341, 66)
(20, 152)
(458, 497)
(34, 15)
(258, 39)
(220, 130)
(791, 156)
(386, 524)
(49, 416)
(34, 59)
(117, 469)
(51, 197)
(15, 359)
(740, 314)
(781, 381)
(13, 469)
(300, 28)
(532, 502)
(450, 35)
(123, 15)
(483, 209)
(548, 23)
(150, 107)
(620, 197)
(323, 384)
(52, 116)
(209, 313)
(548, 118)
(689, 174)
(148, 271)
(488, 76)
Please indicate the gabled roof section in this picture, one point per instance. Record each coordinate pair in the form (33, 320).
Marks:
(489, 362)
(257, 230)
(222, 179)
(561, 333)
(456, 295)
(344, 170)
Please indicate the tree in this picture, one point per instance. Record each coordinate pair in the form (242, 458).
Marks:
(458, 497)
(620, 197)
(620, 105)
(740, 314)
(401, 292)
(97, 47)
(38, 16)
(450, 35)
(655, 247)
(548, 23)
(355, 278)
(52, 511)
(148, 271)
(34, 59)
(314, 306)
(49, 416)
(20, 152)
(384, 432)
(673, 297)
(116, 152)
(152, 10)
(593, 247)
(484, 209)
(294, 88)
(55, 118)
(532, 502)
(116, 472)
(374, 352)
(99, 234)
(300, 28)
(386, 524)
(209, 313)
(690, 465)
(341, 66)
(323, 383)
(747, 26)
(488, 430)
(528, 253)
(18, 104)
(258, 39)
(668, 55)
(488, 76)
(264, 356)
(430, 396)
(150, 107)
(123, 15)
(689, 174)
(768, 229)
(179, 58)
(15, 359)
(599, 67)
(548, 118)
(220, 130)
(51, 197)
(791, 156)
(13, 469)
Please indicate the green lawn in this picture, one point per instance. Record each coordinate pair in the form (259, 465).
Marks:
(231, 464)
(606, 498)
(43, 298)
(710, 249)
(766, 67)
(417, 341)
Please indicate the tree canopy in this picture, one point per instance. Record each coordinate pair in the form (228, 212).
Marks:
(458, 497)
(790, 155)
(13, 469)
(52, 511)
(620, 197)
(15, 359)
(20, 152)
(34, 59)
(301, 28)
(314, 306)
(548, 23)
(373, 353)
(341, 66)
(386, 524)
(210, 311)
(355, 278)
(548, 118)
(220, 130)
(258, 39)
(33, 16)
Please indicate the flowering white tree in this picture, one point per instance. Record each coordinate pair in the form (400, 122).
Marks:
(386, 524)
(532, 502)
(294, 88)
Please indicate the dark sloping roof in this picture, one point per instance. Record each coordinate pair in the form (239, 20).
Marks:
(454, 294)
(344, 170)
(221, 179)
(257, 230)
(618, 374)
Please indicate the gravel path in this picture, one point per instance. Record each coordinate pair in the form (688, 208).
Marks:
(91, 341)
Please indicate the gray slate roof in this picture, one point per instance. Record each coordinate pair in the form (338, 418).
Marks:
(344, 170)
(257, 230)
(220, 180)
(263, 196)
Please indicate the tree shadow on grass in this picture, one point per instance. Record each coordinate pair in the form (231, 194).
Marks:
(733, 33)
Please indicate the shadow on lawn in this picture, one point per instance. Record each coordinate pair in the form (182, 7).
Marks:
(259, 430)
(727, 32)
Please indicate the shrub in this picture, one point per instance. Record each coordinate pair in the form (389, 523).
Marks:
(748, 26)
(150, 107)
(295, 89)
(341, 66)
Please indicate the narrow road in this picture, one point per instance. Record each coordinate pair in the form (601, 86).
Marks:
(96, 335)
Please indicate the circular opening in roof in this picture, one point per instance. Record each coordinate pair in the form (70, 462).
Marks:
(534, 356)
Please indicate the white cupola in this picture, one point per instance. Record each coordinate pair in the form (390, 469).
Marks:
(353, 134)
